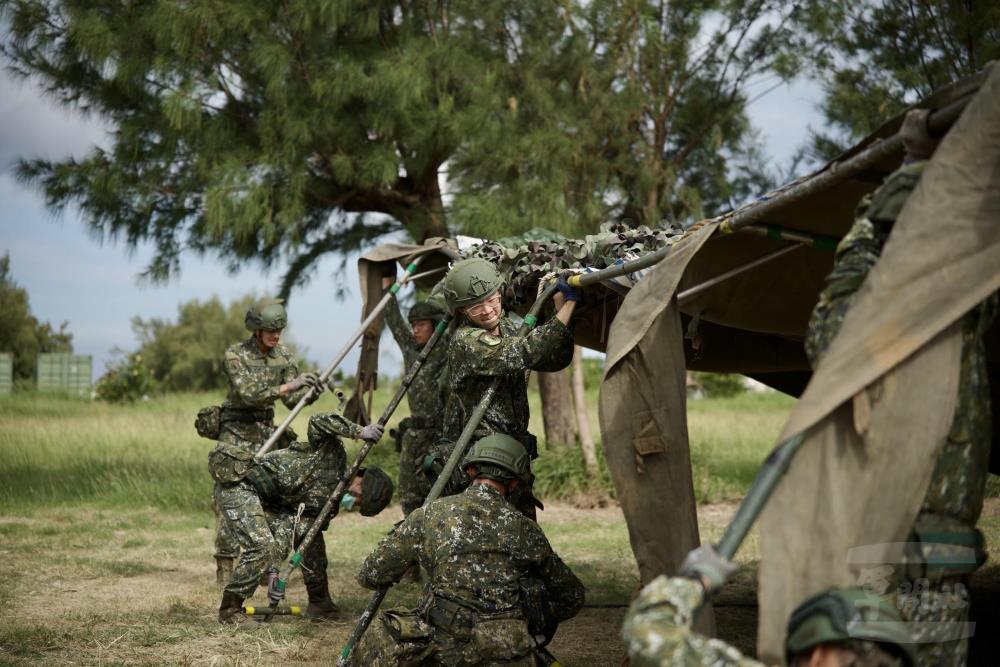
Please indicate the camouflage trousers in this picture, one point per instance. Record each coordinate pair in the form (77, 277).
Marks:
(413, 483)
(245, 519)
(937, 615)
(314, 561)
(226, 544)
(388, 641)
(249, 435)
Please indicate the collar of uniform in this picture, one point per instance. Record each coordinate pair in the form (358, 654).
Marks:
(485, 490)
(253, 347)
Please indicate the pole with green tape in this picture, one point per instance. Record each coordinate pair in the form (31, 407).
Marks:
(332, 504)
(457, 454)
(355, 337)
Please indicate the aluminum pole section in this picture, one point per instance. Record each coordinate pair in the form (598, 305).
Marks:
(328, 371)
(332, 504)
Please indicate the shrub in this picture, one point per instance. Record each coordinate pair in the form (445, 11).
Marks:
(125, 381)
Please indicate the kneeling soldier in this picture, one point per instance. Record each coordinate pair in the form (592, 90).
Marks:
(496, 590)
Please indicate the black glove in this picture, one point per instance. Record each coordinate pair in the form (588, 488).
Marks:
(569, 292)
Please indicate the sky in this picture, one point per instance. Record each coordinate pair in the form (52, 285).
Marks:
(70, 276)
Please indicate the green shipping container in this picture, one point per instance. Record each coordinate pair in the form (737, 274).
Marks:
(6, 372)
(61, 371)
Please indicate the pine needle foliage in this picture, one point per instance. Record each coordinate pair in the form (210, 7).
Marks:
(279, 132)
(877, 58)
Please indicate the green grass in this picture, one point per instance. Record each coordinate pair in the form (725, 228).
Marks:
(58, 449)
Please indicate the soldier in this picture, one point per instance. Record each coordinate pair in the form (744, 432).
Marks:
(240, 483)
(934, 588)
(485, 349)
(846, 626)
(419, 431)
(260, 370)
(294, 484)
(496, 591)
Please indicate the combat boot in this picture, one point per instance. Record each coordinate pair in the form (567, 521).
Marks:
(223, 570)
(321, 607)
(231, 611)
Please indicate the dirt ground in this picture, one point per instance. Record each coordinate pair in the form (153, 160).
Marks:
(106, 587)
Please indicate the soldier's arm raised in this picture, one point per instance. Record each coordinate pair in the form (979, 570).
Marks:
(398, 326)
(541, 349)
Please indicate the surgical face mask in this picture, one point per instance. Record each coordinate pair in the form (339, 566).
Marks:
(347, 502)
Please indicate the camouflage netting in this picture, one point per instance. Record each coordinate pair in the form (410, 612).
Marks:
(523, 260)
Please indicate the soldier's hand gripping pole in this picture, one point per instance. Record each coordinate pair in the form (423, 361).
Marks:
(712, 564)
(408, 276)
(277, 592)
(457, 454)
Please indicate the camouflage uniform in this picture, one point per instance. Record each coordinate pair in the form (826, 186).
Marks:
(658, 630)
(248, 413)
(483, 559)
(476, 358)
(420, 430)
(304, 474)
(933, 597)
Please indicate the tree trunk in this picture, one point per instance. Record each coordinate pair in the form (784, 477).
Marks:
(557, 409)
(580, 407)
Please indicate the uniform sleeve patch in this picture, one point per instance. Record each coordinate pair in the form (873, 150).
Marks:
(487, 339)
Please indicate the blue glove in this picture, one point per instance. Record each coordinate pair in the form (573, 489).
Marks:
(569, 292)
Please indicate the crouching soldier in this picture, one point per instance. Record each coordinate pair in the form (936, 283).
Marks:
(496, 591)
(240, 481)
(847, 626)
(295, 483)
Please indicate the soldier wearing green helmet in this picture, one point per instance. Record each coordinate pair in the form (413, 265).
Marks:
(417, 433)
(496, 589)
(260, 370)
(262, 501)
(485, 350)
(846, 626)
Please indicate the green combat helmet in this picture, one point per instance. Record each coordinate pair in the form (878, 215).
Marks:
(848, 614)
(266, 314)
(426, 310)
(469, 282)
(499, 456)
(376, 491)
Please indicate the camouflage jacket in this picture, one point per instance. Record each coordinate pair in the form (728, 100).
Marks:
(954, 497)
(857, 253)
(308, 472)
(657, 629)
(424, 395)
(254, 380)
(476, 548)
(476, 358)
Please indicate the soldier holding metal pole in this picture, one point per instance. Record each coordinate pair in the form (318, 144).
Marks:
(418, 432)
(260, 371)
(496, 593)
(485, 353)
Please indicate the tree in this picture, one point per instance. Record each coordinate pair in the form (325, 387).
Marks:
(650, 118)
(21, 333)
(876, 58)
(256, 131)
(187, 355)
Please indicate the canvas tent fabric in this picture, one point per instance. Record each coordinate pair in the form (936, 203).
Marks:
(755, 324)
(880, 403)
